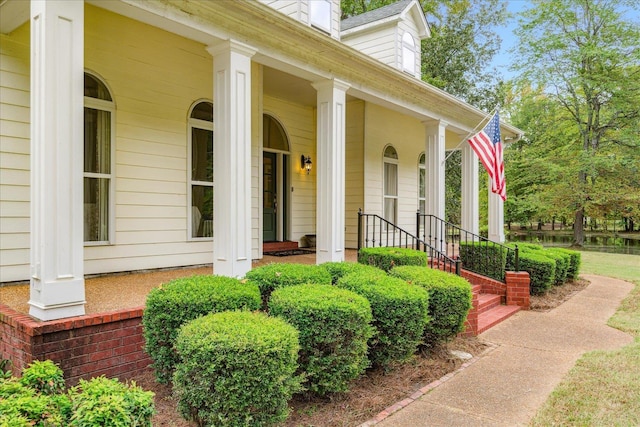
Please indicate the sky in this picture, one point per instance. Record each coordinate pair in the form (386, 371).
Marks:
(503, 59)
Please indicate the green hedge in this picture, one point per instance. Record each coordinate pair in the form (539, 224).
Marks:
(173, 304)
(400, 314)
(341, 269)
(563, 262)
(334, 327)
(236, 369)
(29, 401)
(574, 264)
(386, 258)
(483, 258)
(278, 275)
(541, 269)
(449, 300)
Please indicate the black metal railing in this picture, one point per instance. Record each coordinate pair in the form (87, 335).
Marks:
(479, 254)
(375, 231)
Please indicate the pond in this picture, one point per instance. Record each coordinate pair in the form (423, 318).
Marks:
(592, 242)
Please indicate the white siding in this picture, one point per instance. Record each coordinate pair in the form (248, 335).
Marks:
(14, 155)
(354, 174)
(407, 135)
(299, 10)
(299, 124)
(381, 44)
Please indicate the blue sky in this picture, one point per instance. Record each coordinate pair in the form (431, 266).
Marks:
(503, 59)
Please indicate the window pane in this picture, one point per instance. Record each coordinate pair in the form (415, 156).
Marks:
(408, 53)
(390, 152)
(96, 209)
(422, 206)
(201, 211)
(390, 210)
(320, 11)
(203, 111)
(94, 88)
(97, 141)
(390, 179)
(201, 155)
(274, 136)
(421, 192)
(422, 159)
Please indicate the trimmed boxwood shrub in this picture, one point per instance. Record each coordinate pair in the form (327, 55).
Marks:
(574, 263)
(449, 300)
(173, 304)
(278, 275)
(236, 369)
(386, 258)
(400, 314)
(541, 269)
(482, 258)
(341, 269)
(334, 326)
(563, 261)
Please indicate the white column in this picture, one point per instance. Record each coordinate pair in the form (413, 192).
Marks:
(435, 168)
(470, 209)
(496, 217)
(57, 147)
(330, 171)
(231, 158)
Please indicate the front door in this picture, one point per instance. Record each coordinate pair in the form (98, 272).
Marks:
(269, 197)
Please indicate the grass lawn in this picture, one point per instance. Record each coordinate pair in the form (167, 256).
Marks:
(604, 386)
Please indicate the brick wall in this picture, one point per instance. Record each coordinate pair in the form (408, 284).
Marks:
(518, 289)
(489, 285)
(108, 344)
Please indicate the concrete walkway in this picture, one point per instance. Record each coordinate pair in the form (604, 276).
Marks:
(533, 352)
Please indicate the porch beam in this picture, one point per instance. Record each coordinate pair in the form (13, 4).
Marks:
(232, 158)
(330, 173)
(470, 190)
(57, 151)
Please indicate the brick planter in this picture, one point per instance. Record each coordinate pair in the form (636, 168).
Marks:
(109, 344)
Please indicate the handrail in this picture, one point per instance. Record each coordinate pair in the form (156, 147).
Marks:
(448, 237)
(375, 231)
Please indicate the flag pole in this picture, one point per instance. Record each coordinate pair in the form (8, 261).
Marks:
(469, 134)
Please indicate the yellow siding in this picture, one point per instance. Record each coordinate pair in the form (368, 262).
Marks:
(354, 174)
(14, 155)
(407, 135)
(155, 77)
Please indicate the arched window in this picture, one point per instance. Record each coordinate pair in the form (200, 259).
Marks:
(390, 184)
(274, 136)
(200, 170)
(422, 183)
(99, 147)
(408, 53)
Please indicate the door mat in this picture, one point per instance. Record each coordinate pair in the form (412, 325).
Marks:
(291, 252)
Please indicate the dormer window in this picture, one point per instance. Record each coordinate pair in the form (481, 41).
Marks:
(320, 14)
(408, 53)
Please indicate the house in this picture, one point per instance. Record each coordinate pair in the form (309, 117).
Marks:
(142, 134)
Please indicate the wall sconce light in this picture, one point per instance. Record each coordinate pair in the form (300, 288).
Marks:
(305, 163)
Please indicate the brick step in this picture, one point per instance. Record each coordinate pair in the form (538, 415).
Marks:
(495, 315)
(487, 301)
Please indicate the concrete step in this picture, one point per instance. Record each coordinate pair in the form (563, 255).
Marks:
(487, 301)
(495, 315)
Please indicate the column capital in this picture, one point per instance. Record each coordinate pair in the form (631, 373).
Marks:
(231, 45)
(435, 122)
(330, 84)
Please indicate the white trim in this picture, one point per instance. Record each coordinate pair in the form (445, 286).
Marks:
(422, 169)
(204, 125)
(405, 48)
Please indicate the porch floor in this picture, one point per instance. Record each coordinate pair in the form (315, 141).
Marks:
(128, 290)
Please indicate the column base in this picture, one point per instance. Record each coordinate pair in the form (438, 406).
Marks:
(57, 299)
(327, 256)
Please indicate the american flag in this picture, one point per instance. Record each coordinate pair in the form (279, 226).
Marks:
(488, 147)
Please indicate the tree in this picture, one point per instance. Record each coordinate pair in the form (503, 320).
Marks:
(586, 58)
